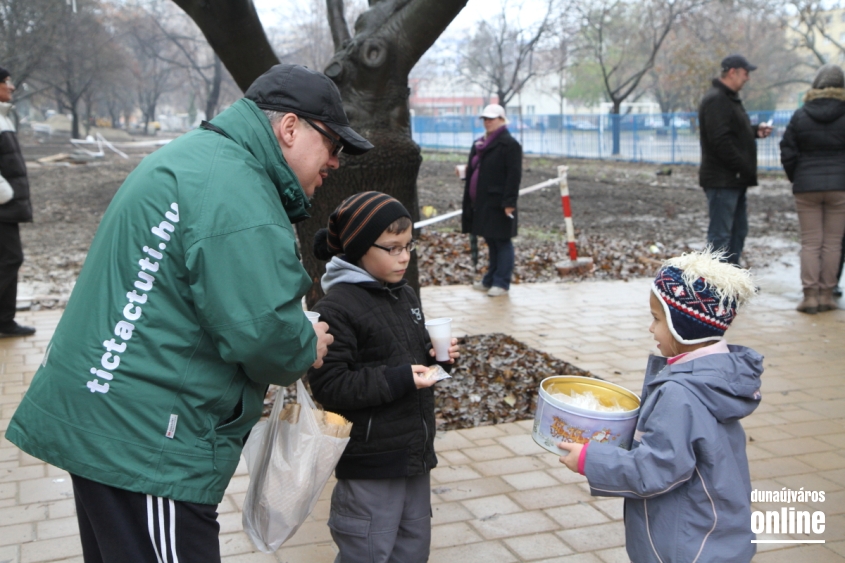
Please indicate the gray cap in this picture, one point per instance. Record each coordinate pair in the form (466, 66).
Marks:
(829, 76)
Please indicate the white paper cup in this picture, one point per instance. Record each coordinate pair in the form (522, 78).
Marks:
(313, 317)
(440, 331)
(461, 171)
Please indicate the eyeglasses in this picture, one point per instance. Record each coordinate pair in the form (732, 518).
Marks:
(397, 250)
(336, 146)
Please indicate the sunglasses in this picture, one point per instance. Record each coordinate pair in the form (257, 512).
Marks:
(336, 146)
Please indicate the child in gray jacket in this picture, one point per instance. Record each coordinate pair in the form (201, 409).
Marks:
(685, 479)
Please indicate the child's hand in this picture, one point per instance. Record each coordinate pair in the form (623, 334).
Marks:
(419, 376)
(454, 352)
(571, 460)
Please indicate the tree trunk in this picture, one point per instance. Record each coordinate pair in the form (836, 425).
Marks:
(214, 92)
(616, 125)
(74, 127)
(370, 69)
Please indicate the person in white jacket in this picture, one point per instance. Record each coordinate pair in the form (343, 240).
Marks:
(15, 208)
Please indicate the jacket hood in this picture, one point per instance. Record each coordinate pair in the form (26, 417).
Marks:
(825, 105)
(727, 384)
(247, 125)
(340, 271)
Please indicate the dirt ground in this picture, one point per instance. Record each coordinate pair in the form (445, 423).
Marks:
(626, 218)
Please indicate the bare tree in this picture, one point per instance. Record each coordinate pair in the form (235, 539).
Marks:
(810, 23)
(306, 38)
(624, 38)
(84, 58)
(500, 56)
(371, 70)
(151, 54)
(28, 31)
(690, 58)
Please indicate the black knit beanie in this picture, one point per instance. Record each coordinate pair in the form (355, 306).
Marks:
(4, 74)
(356, 224)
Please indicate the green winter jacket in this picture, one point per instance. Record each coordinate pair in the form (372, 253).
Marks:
(188, 305)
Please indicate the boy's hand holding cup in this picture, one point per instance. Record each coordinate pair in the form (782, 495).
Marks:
(444, 347)
(570, 460)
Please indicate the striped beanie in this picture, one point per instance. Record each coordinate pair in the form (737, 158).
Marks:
(356, 224)
(700, 295)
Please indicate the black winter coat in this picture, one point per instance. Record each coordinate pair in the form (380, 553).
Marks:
(366, 377)
(813, 147)
(728, 141)
(13, 169)
(500, 172)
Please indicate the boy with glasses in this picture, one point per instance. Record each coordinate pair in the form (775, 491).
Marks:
(374, 375)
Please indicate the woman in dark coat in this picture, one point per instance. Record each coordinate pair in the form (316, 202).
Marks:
(813, 155)
(493, 174)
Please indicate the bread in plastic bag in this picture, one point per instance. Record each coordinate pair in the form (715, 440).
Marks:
(290, 458)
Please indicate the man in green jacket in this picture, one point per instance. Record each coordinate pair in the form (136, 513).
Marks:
(188, 306)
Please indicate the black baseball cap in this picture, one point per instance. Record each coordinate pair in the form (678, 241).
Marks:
(300, 90)
(737, 61)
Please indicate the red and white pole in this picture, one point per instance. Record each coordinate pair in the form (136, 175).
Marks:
(567, 211)
(574, 265)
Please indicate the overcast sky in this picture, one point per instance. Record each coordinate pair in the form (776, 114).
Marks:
(529, 11)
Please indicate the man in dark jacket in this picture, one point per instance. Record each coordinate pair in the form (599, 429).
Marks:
(14, 208)
(728, 156)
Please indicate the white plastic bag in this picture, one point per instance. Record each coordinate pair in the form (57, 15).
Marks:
(290, 458)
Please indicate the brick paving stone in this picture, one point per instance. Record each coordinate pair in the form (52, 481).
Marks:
(577, 515)
(507, 465)
(614, 555)
(446, 512)
(556, 496)
(250, 558)
(531, 480)
(473, 489)
(486, 453)
(507, 525)
(450, 474)
(486, 507)
(455, 533)
(538, 546)
(483, 551)
(57, 528)
(803, 554)
(307, 554)
(50, 550)
(591, 538)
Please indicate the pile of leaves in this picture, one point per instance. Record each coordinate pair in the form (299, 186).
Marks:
(445, 258)
(495, 381)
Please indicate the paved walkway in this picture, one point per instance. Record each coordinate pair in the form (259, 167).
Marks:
(497, 497)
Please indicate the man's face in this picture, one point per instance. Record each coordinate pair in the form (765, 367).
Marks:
(6, 90)
(736, 78)
(308, 152)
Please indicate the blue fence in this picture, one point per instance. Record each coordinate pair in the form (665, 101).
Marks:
(666, 138)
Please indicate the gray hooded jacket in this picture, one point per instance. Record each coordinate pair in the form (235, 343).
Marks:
(685, 480)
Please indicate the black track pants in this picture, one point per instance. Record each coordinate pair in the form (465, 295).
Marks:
(118, 526)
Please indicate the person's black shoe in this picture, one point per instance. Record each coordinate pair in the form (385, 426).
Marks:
(16, 330)
(837, 291)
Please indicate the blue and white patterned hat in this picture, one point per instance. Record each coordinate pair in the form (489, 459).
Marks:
(700, 295)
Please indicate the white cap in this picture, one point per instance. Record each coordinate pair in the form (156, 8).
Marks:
(494, 111)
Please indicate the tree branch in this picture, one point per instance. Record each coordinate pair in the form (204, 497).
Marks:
(246, 54)
(337, 23)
